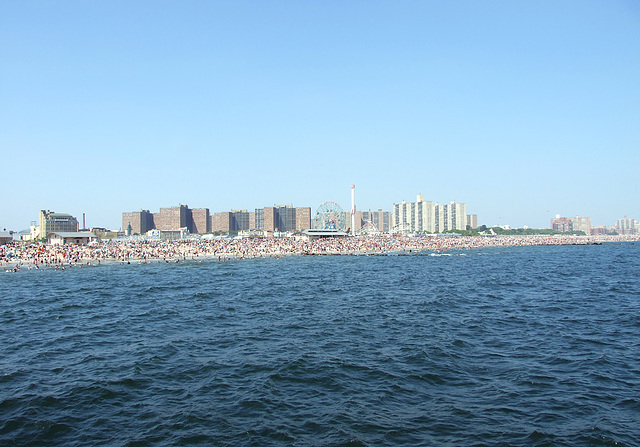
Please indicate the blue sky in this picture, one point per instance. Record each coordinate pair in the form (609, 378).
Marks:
(521, 110)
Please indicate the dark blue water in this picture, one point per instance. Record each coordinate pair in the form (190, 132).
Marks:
(522, 346)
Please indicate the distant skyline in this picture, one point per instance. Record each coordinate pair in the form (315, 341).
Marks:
(521, 110)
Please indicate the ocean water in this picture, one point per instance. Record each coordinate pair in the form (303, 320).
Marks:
(528, 346)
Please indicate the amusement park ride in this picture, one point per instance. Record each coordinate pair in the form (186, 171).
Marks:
(330, 216)
(368, 229)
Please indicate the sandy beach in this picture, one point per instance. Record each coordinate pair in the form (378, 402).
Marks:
(35, 256)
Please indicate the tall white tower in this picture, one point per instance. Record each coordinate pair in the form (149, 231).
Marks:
(353, 210)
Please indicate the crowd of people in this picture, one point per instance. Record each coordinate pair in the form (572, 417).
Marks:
(19, 255)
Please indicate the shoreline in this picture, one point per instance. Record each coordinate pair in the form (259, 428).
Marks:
(32, 256)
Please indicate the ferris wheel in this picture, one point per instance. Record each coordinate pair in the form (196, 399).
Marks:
(330, 217)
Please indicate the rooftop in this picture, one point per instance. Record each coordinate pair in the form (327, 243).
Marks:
(74, 234)
(59, 215)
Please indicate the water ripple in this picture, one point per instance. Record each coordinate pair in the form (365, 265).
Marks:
(529, 346)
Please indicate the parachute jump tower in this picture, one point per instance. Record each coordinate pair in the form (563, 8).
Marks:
(353, 210)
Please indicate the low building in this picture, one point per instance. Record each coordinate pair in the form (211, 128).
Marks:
(168, 235)
(6, 237)
(72, 237)
(34, 233)
(599, 230)
(104, 233)
(319, 233)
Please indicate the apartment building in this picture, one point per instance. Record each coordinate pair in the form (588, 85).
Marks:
(424, 216)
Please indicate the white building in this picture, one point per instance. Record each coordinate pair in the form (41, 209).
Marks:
(455, 216)
(72, 237)
(426, 217)
(582, 224)
(626, 226)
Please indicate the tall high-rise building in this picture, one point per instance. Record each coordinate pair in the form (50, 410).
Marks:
(259, 218)
(626, 226)
(582, 224)
(380, 219)
(282, 218)
(221, 222)
(140, 221)
(357, 221)
(234, 220)
(168, 219)
(472, 221)
(269, 221)
(402, 217)
(242, 220)
(416, 217)
(455, 216)
(172, 218)
(571, 224)
(426, 217)
(285, 218)
(200, 221)
(303, 218)
(562, 224)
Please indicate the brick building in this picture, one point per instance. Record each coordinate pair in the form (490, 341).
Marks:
(303, 218)
(139, 221)
(283, 218)
(380, 219)
(168, 219)
(172, 218)
(200, 221)
(571, 224)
